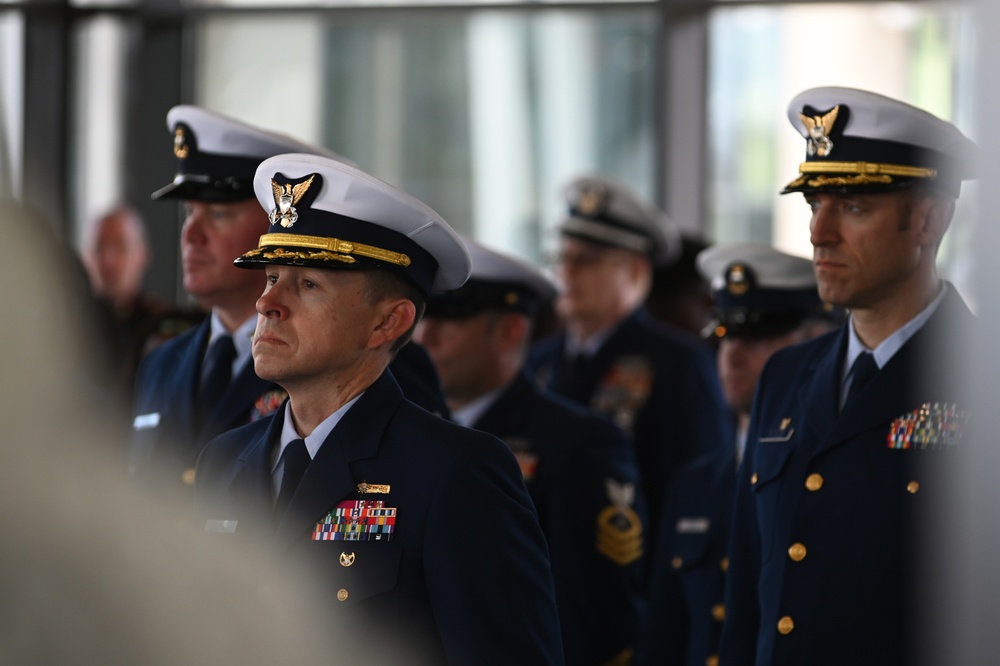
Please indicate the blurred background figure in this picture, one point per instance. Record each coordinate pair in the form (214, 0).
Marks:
(680, 295)
(116, 254)
(654, 382)
(579, 468)
(764, 300)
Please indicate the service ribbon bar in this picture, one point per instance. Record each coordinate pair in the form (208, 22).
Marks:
(357, 520)
(933, 426)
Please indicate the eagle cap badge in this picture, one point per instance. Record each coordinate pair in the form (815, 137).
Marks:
(737, 279)
(285, 198)
(593, 199)
(818, 129)
(181, 149)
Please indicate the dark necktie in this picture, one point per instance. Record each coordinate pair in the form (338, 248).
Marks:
(217, 375)
(569, 372)
(296, 460)
(862, 371)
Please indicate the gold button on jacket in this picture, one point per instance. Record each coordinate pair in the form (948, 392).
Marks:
(814, 482)
(719, 612)
(797, 552)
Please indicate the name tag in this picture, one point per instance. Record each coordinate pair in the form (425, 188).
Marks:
(146, 421)
(221, 526)
(693, 525)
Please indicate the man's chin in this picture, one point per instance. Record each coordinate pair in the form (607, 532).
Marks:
(831, 294)
(197, 290)
(267, 371)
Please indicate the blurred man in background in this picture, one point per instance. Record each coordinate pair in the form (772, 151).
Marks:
(579, 469)
(764, 300)
(116, 254)
(656, 383)
(680, 295)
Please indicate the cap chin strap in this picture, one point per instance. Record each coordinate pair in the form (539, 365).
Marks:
(335, 245)
(868, 168)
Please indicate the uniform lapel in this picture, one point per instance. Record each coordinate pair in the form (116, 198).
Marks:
(507, 413)
(250, 487)
(592, 371)
(889, 394)
(921, 371)
(235, 402)
(818, 398)
(186, 384)
(329, 479)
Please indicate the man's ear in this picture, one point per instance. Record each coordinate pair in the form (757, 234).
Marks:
(513, 328)
(397, 318)
(935, 215)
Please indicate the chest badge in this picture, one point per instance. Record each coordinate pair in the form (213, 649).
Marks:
(365, 488)
(619, 530)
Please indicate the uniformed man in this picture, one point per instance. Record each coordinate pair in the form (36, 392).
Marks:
(850, 433)
(116, 254)
(764, 300)
(202, 383)
(579, 469)
(656, 383)
(419, 533)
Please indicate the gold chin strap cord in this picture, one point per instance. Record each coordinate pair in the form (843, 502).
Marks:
(867, 168)
(335, 245)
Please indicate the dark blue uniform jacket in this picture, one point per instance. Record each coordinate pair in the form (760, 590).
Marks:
(686, 608)
(825, 564)
(657, 385)
(569, 457)
(464, 578)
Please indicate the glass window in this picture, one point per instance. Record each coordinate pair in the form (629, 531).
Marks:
(761, 57)
(11, 101)
(98, 100)
(483, 114)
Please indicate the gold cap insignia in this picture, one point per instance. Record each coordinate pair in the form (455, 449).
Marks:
(818, 128)
(181, 149)
(285, 198)
(593, 200)
(737, 283)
